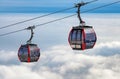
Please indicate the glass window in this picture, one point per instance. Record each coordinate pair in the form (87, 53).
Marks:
(74, 35)
(34, 53)
(23, 53)
(79, 35)
(90, 38)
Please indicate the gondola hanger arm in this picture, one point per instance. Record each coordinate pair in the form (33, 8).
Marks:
(31, 29)
(79, 6)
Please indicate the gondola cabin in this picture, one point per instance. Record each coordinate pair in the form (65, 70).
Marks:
(29, 53)
(82, 37)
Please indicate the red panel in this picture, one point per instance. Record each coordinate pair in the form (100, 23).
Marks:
(28, 53)
(83, 42)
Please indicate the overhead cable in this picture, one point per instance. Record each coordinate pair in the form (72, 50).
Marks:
(60, 18)
(100, 7)
(11, 25)
(12, 32)
(36, 25)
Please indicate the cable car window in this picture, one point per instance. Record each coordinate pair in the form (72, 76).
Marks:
(23, 53)
(90, 38)
(73, 36)
(79, 37)
(35, 53)
(90, 35)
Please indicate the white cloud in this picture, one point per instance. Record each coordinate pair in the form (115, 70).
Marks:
(8, 57)
(71, 65)
(107, 49)
(80, 65)
(61, 62)
(106, 69)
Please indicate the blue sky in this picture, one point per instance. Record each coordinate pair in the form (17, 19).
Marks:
(41, 6)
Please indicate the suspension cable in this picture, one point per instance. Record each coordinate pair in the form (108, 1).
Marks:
(12, 32)
(54, 20)
(76, 14)
(100, 7)
(11, 25)
(59, 19)
(36, 25)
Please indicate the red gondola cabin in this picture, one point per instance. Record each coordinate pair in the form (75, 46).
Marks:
(82, 37)
(29, 53)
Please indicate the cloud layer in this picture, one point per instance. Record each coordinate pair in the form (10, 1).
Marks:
(60, 62)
